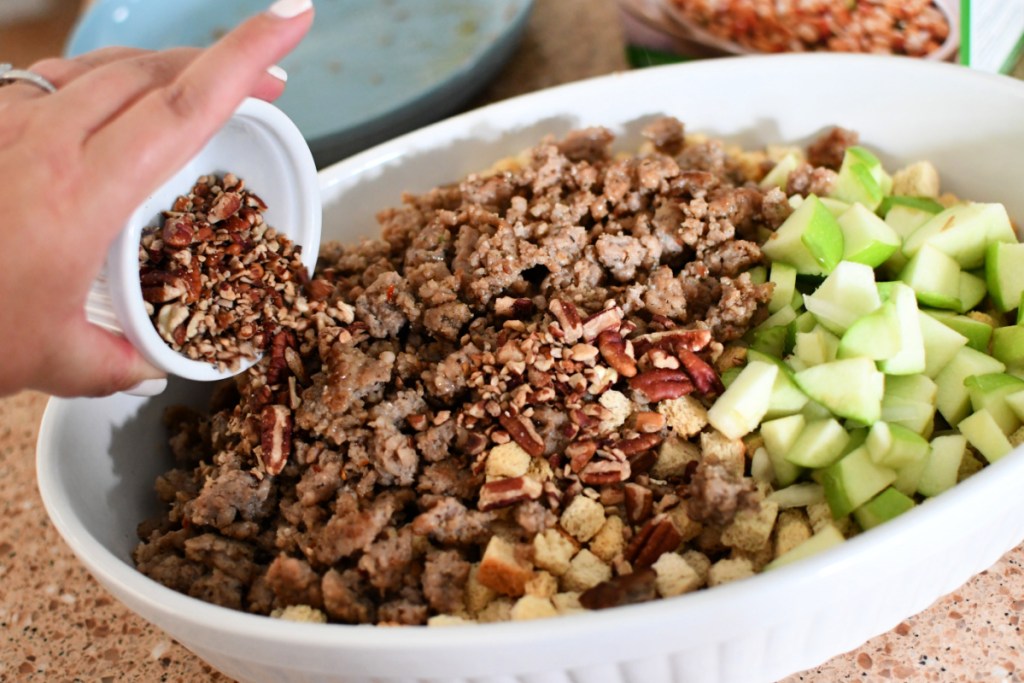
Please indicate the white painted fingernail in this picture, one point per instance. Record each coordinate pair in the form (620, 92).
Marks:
(286, 9)
(278, 73)
(148, 387)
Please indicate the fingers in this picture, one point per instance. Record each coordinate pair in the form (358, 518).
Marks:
(93, 362)
(166, 127)
(61, 72)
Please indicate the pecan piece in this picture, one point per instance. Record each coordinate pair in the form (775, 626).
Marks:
(226, 204)
(600, 472)
(178, 231)
(275, 438)
(672, 340)
(638, 444)
(521, 429)
(568, 318)
(505, 492)
(639, 501)
(661, 384)
(608, 319)
(649, 423)
(627, 589)
(580, 453)
(616, 353)
(658, 536)
(703, 375)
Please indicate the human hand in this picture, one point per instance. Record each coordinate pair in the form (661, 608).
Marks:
(75, 164)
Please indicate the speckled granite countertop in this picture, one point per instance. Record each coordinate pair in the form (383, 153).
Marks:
(57, 624)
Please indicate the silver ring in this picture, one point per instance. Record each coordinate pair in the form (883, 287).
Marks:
(8, 74)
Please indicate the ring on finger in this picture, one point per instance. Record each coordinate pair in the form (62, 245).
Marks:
(9, 75)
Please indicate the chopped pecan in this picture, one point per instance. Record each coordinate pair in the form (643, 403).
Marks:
(616, 353)
(672, 340)
(658, 536)
(568, 318)
(608, 319)
(226, 204)
(275, 438)
(178, 231)
(626, 589)
(644, 442)
(649, 422)
(506, 492)
(639, 501)
(703, 375)
(658, 385)
(521, 429)
(580, 453)
(600, 472)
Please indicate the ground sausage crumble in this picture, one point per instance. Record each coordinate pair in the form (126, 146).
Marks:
(497, 410)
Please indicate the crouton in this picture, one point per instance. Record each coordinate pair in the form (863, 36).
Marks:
(585, 571)
(542, 585)
(552, 551)
(567, 603)
(791, 529)
(532, 607)
(673, 457)
(920, 179)
(731, 453)
(499, 609)
(477, 595)
(971, 464)
(731, 569)
(687, 527)
(620, 407)
(448, 620)
(751, 528)
(675, 575)
(700, 563)
(583, 518)
(709, 540)
(820, 516)
(609, 541)
(1016, 439)
(507, 460)
(685, 415)
(501, 570)
(300, 613)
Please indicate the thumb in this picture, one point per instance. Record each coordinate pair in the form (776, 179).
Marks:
(90, 361)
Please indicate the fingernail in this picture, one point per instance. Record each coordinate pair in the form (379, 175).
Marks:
(278, 73)
(286, 9)
(148, 387)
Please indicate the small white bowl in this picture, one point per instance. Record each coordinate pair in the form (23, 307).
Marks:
(259, 144)
(98, 458)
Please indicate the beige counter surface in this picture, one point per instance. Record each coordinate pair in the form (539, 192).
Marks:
(57, 624)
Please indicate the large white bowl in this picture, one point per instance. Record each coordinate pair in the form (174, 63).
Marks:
(97, 459)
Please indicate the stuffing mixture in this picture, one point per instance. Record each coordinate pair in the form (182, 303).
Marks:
(497, 410)
(218, 281)
(903, 27)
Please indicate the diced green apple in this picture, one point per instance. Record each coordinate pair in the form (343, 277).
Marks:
(910, 359)
(846, 295)
(836, 206)
(917, 416)
(810, 239)
(940, 343)
(977, 332)
(954, 401)
(908, 477)
(972, 291)
(985, 434)
(771, 340)
(779, 175)
(797, 495)
(914, 387)
(1008, 346)
(828, 537)
(887, 505)
(963, 232)
(989, 392)
(875, 335)
(859, 179)
(866, 237)
(849, 388)
(783, 276)
(819, 444)
(1016, 403)
(854, 480)
(895, 446)
(816, 347)
(1004, 274)
(742, 406)
(935, 278)
(926, 205)
(943, 464)
(787, 398)
(779, 436)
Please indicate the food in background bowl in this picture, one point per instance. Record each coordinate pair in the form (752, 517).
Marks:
(917, 29)
(96, 479)
(511, 405)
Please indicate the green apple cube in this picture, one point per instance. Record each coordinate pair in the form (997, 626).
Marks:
(805, 322)
(797, 495)
(854, 480)
(810, 239)
(907, 478)
(1004, 274)
(739, 410)
(893, 445)
(846, 295)
(887, 505)
(935, 278)
(927, 206)
(940, 343)
(940, 471)
(783, 276)
(819, 444)
(858, 179)
(876, 335)
(864, 156)
(977, 332)
(836, 206)
(779, 436)
(1008, 346)
(972, 291)
(1016, 403)
(758, 275)
(816, 347)
(858, 437)
(779, 175)
(985, 434)
(954, 401)
(989, 392)
(850, 388)
(866, 237)
(917, 416)
(786, 396)
(963, 232)
(910, 359)
(828, 537)
(813, 410)
(914, 387)
(1020, 310)
(783, 316)
(771, 340)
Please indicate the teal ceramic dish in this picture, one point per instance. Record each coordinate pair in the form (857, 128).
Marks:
(369, 69)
